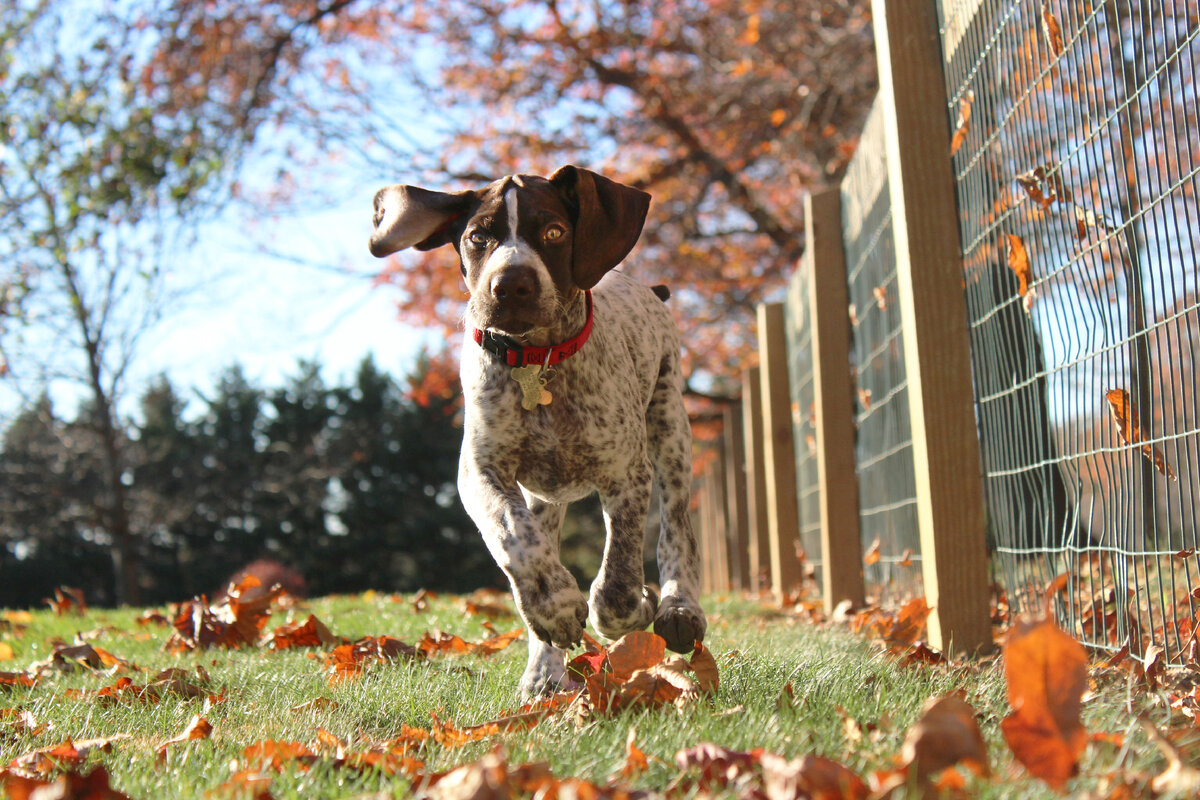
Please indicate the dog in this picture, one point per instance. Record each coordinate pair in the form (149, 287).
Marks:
(572, 385)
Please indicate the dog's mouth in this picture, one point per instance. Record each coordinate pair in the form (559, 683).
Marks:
(511, 319)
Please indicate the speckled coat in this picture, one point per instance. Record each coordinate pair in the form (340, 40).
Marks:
(614, 424)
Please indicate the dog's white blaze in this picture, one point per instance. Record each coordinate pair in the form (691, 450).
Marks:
(515, 250)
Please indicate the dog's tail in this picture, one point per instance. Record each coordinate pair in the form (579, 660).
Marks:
(661, 291)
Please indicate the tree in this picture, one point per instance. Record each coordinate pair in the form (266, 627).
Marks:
(50, 485)
(728, 111)
(92, 176)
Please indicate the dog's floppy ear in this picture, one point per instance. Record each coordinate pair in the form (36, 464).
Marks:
(608, 221)
(409, 216)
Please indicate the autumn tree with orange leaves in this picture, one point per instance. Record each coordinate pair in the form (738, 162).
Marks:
(727, 111)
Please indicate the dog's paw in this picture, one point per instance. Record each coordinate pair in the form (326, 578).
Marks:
(681, 622)
(557, 619)
(614, 617)
(545, 673)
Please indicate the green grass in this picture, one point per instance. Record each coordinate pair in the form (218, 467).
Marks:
(833, 675)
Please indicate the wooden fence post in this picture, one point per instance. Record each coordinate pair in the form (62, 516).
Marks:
(735, 499)
(779, 455)
(757, 553)
(936, 348)
(841, 545)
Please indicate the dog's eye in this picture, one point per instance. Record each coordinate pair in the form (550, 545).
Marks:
(478, 238)
(554, 233)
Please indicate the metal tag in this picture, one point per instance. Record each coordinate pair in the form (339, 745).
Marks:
(533, 386)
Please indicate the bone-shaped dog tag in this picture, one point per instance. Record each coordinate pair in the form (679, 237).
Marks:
(533, 386)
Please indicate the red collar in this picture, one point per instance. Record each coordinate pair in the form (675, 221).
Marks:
(515, 354)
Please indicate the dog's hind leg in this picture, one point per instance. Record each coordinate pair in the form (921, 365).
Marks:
(679, 620)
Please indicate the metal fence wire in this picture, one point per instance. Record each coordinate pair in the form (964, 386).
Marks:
(1076, 158)
(887, 487)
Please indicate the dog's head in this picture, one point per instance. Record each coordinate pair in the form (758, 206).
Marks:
(527, 245)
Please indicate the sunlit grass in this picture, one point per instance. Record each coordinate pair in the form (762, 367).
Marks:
(786, 686)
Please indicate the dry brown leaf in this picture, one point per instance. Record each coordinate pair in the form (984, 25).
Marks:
(309, 633)
(945, 735)
(964, 121)
(1046, 672)
(705, 667)
(92, 785)
(1044, 186)
(635, 651)
(1018, 262)
(197, 728)
(1129, 428)
(810, 777)
(635, 760)
(909, 623)
(1051, 30)
(871, 556)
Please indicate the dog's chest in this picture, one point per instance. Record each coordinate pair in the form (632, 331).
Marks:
(587, 436)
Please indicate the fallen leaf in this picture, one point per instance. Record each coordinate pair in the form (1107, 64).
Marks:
(1018, 262)
(635, 651)
(705, 667)
(309, 633)
(881, 297)
(945, 735)
(197, 728)
(1051, 30)
(813, 777)
(1044, 186)
(1046, 672)
(635, 760)
(871, 556)
(1129, 428)
(67, 601)
(964, 120)
(92, 785)
(909, 623)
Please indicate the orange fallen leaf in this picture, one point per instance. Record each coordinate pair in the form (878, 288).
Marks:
(1129, 428)
(964, 121)
(705, 667)
(945, 735)
(346, 662)
(309, 633)
(92, 785)
(633, 652)
(1018, 262)
(871, 556)
(635, 760)
(197, 728)
(1044, 186)
(1051, 30)
(1046, 672)
(909, 623)
(67, 600)
(881, 297)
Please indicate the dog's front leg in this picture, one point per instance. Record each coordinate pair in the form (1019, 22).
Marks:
(620, 601)
(546, 594)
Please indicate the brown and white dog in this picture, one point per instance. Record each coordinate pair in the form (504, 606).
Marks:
(572, 385)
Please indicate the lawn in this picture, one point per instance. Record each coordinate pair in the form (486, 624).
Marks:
(281, 728)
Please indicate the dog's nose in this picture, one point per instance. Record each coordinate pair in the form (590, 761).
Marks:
(514, 283)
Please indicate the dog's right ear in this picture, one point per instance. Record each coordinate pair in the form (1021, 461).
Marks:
(409, 216)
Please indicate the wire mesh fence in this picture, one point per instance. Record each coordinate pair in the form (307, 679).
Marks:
(798, 324)
(1077, 155)
(887, 493)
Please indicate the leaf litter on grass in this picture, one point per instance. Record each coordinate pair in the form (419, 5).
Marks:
(942, 752)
